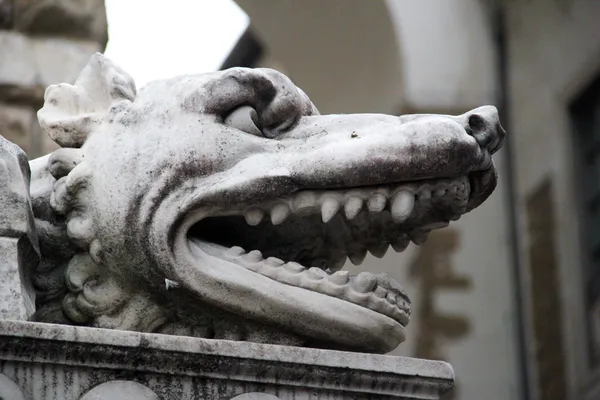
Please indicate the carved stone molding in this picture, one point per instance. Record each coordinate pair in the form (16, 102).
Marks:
(117, 390)
(36, 356)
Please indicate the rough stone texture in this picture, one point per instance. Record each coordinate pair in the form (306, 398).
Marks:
(71, 18)
(53, 362)
(19, 252)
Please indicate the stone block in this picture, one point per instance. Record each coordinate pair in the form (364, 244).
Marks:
(85, 19)
(17, 124)
(47, 361)
(19, 252)
(29, 65)
(17, 64)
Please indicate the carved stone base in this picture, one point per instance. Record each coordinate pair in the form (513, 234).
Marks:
(45, 361)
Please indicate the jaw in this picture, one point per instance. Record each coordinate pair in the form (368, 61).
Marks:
(279, 260)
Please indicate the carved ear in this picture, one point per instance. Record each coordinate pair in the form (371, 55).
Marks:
(72, 112)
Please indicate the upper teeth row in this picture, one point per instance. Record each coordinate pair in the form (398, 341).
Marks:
(401, 202)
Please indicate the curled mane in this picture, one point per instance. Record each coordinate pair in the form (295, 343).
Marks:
(71, 284)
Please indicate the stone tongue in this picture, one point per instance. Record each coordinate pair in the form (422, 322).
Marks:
(379, 293)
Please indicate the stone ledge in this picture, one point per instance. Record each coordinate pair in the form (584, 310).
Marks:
(178, 367)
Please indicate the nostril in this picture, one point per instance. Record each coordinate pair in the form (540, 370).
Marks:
(484, 125)
(477, 123)
(481, 131)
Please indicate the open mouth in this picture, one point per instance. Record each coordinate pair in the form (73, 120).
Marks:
(304, 239)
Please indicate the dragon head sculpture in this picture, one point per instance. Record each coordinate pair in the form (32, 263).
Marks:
(223, 205)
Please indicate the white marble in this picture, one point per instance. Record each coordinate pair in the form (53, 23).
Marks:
(229, 187)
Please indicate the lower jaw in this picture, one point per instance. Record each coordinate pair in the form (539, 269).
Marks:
(322, 320)
(368, 330)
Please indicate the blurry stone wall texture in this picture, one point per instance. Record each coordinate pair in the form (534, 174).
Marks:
(42, 42)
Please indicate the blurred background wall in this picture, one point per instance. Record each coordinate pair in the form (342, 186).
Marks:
(510, 294)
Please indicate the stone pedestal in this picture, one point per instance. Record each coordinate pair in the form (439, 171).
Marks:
(45, 361)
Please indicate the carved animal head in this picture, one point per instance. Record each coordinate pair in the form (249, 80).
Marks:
(222, 205)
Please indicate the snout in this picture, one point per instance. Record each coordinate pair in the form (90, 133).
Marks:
(483, 123)
(363, 150)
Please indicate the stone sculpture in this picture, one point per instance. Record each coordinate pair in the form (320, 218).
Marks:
(152, 215)
(223, 206)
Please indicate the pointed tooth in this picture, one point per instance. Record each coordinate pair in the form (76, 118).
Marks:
(339, 277)
(357, 255)
(235, 251)
(353, 207)
(379, 250)
(294, 267)
(376, 203)
(402, 206)
(400, 244)
(253, 256)
(316, 273)
(364, 282)
(274, 261)
(329, 208)
(254, 216)
(418, 237)
(380, 292)
(391, 297)
(279, 213)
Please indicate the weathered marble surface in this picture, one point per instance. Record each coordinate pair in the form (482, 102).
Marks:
(57, 362)
(223, 205)
(19, 252)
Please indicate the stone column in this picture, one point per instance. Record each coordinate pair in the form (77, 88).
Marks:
(42, 42)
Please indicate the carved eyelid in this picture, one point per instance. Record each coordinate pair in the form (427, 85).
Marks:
(245, 119)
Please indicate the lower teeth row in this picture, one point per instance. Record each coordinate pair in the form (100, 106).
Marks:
(361, 289)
